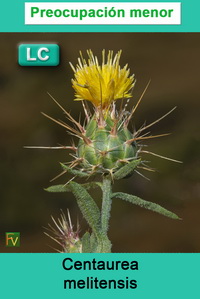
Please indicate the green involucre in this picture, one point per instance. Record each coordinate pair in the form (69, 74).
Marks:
(109, 149)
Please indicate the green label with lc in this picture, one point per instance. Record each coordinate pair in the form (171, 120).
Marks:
(38, 55)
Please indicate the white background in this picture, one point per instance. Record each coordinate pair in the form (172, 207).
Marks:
(127, 20)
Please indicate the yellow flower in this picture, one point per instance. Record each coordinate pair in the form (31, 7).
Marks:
(101, 84)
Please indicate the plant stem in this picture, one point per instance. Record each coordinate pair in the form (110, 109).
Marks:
(105, 213)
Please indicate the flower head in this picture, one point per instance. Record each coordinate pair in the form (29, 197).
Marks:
(101, 84)
(64, 235)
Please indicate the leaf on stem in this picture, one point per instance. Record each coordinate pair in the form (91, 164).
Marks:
(87, 206)
(145, 204)
(93, 243)
(66, 188)
(58, 188)
(126, 170)
(86, 243)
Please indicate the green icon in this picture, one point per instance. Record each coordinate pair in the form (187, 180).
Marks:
(38, 54)
(12, 239)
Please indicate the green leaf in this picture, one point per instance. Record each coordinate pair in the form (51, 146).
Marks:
(74, 171)
(93, 243)
(106, 245)
(87, 206)
(145, 204)
(86, 243)
(58, 188)
(66, 188)
(126, 170)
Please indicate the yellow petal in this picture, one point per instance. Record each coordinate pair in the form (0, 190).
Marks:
(101, 84)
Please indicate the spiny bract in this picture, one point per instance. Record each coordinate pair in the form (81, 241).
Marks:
(109, 146)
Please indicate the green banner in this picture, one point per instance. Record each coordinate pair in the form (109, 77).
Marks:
(13, 17)
(95, 275)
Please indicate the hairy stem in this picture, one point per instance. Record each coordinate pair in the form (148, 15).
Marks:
(105, 213)
(106, 204)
